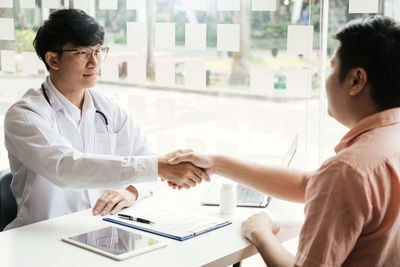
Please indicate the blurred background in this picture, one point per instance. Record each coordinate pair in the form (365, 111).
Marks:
(240, 77)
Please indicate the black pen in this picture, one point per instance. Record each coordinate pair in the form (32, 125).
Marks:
(135, 219)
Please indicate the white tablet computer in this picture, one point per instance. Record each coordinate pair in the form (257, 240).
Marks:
(115, 242)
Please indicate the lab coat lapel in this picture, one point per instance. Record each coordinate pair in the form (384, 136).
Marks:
(92, 124)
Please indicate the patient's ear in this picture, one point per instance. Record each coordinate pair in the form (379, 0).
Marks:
(52, 59)
(358, 80)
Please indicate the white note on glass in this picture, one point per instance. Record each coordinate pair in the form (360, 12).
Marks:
(228, 5)
(136, 4)
(137, 70)
(165, 110)
(298, 82)
(8, 60)
(228, 37)
(263, 5)
(137, 105)
(165, 72)
(165, 35)
(82, 4)
(54, 4)
(195, 36)
(136, 34)
(363, 6)
(30, 63)
(6, 3)
(262, 79)
(195, 75)
(109, 70)
(227, 116)
(108, 4)
(396, 7)
(27, 3)
(258, 121)
(195, 5)
(7, 29)
(300, 39)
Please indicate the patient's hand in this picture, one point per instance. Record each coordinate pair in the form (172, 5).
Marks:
(182, 175)
(112, 201)
(254, 227)
(205, 162)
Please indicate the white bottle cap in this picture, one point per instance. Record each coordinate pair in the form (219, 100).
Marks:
(228, 186)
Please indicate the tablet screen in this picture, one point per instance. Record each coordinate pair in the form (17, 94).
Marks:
(115, 240)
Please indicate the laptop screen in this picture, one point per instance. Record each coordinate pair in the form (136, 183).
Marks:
(292, 150)
(246, 196)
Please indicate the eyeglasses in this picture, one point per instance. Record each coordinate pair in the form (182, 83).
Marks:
(84, 54)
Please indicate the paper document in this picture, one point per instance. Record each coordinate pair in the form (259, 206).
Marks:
(175, 224)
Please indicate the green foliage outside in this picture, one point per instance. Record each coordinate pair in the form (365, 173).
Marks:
(23, 40)
(120, 38)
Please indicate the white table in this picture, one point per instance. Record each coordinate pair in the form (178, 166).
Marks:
(40, 244)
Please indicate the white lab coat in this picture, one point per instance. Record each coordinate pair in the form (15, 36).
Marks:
(56, 155)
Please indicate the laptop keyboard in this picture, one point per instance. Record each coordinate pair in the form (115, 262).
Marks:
(248, 195)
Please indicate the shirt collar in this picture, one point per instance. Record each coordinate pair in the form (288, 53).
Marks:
(59, 101)
(377, 120)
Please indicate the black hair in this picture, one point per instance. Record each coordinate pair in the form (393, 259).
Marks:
(67, 26)
(373, 43)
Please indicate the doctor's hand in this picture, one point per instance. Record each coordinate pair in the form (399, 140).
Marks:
(181, 175)
(112, 201)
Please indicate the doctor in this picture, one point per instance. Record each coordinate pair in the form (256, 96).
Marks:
(67, 142)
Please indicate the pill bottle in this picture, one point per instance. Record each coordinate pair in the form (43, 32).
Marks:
(227, 198)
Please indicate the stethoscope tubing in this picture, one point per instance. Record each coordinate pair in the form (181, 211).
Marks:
(97, 111)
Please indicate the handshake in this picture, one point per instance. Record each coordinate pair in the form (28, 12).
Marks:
(184, 169)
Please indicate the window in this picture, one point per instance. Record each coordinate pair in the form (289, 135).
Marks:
(236, 77)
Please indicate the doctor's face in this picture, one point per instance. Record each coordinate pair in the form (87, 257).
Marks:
(78, 66)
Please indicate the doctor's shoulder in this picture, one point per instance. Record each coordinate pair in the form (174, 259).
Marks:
(32, 103)
(103, 100)
(108, 104)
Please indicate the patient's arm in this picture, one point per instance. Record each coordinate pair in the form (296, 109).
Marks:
(279, 182)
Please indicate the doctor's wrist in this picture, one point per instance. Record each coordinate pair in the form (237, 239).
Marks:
(133, 190)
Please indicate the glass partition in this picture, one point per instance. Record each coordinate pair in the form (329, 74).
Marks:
(241, 77)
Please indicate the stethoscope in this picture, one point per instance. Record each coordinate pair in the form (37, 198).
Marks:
(97, 111)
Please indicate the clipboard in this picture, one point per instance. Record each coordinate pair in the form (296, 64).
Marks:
(174, 224)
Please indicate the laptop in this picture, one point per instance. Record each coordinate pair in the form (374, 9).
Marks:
(246, 196)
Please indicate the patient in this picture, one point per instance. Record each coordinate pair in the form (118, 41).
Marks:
(352, 201)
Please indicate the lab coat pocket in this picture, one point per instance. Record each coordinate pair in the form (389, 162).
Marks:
(105, 143)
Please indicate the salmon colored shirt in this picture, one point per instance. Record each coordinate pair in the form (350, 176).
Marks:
(352, 205)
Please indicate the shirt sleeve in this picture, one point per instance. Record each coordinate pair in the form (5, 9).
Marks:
(336, 210)
(131, 140)
(31, 138)
(145, 189)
